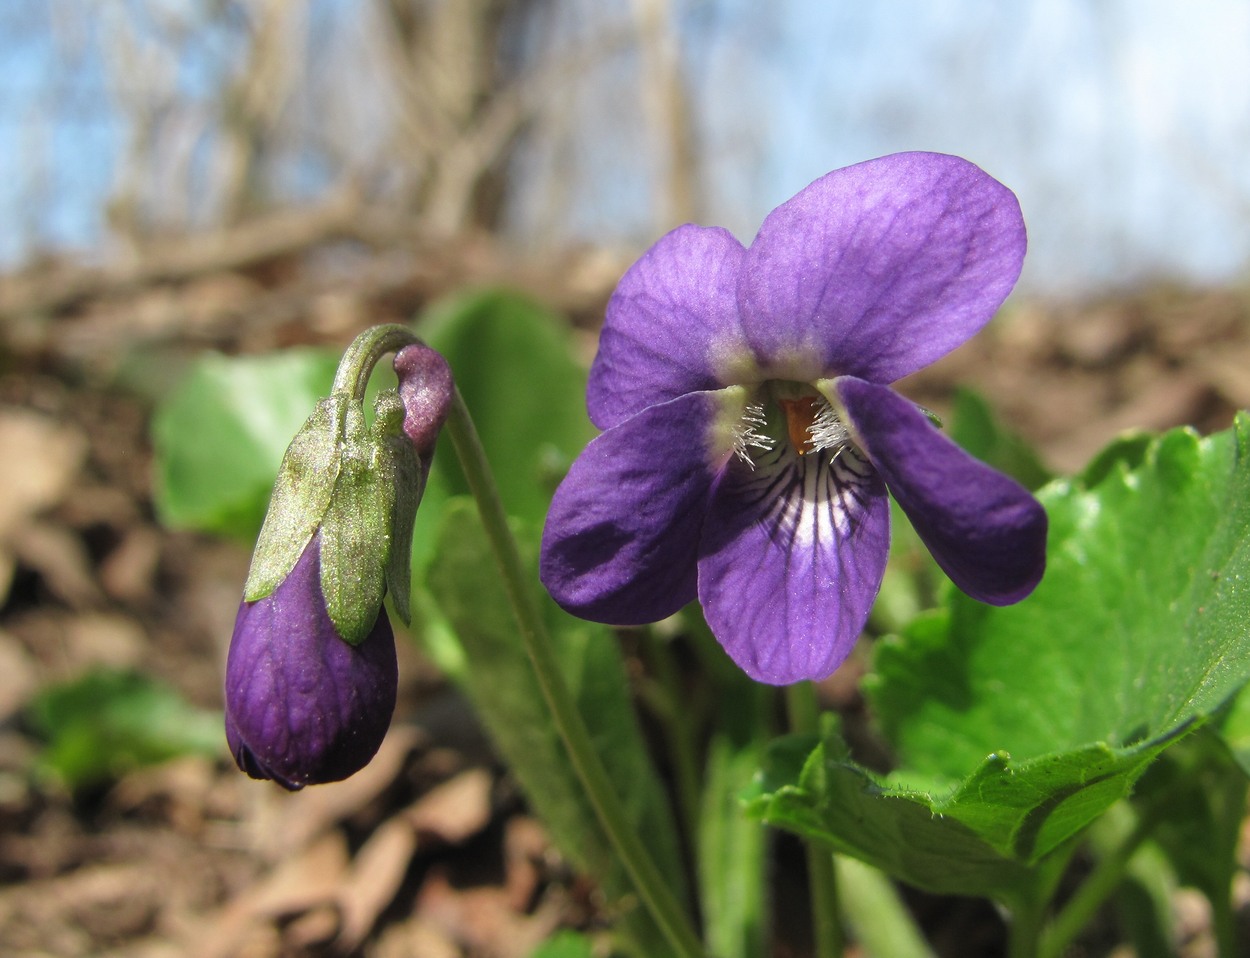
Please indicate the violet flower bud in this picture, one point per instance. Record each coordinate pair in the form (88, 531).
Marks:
(311, 675)
(304, 707)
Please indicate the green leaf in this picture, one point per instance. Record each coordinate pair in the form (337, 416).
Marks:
(819, 793)
(507, 696)
(732, 848)
(1233, 725)
(1139, 631)
(912, 581)
(1127, 451)
(1197, 792)
(105, 723)
(219, 437)
(513, 365)
(975, 428)
(565, 944)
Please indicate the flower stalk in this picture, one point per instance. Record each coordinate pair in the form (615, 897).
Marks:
(649, 883)
(803, 712)
(1108, 874)
(354, 369)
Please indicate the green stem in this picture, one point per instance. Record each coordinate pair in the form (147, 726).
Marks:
(1093, 892)
(804, 715)
(649, 883)
(877, 914)
(1224, 925)
(1025, 934)
(673, 705)
(363, 354)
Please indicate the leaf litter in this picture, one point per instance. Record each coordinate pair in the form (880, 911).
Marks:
(430, 851)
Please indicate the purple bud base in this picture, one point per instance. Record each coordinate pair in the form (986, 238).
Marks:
(302, 706)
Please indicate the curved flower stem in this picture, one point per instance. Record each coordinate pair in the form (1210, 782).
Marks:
(804, 714)
(363, 354)
(646, 877)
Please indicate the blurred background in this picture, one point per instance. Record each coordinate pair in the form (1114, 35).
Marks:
(1122, 125)
(181, 178)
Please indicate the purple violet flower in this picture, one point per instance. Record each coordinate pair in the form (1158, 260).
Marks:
(304, 707)
(750, 435)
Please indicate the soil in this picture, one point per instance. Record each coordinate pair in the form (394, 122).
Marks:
(430, 851)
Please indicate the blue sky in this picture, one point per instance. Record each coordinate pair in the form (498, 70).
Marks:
(1123, 125)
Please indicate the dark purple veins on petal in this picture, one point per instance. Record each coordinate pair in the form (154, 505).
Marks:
(791, 559)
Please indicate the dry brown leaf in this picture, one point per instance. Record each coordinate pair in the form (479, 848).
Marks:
(1228, 370)
(105, 639)
(173, 791)
(482, 918)
(310, 878)
(1173, 401)
(314, 929)
(128, 572)
(311, 811)
(60, 558)
(376, 875)
(449, 813)
(18, 676)
(69, 912)
(414, 939)
(247, 924)
(41, 458)
(525, 844)
(455, 810)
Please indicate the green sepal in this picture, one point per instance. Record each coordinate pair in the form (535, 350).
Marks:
(359, 486)
(401, 468)
(356, 532)
(301, 496)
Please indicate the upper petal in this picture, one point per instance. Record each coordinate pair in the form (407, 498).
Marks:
(791, 560)
(987, 532)
(671, 326)
(623, 529)
(878, 269)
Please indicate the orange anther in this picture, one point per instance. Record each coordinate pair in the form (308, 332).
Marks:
(800, 416)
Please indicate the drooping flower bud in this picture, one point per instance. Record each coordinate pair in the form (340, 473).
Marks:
(311, 675)
(302, 705)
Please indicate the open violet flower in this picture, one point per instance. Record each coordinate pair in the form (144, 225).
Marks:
(750, 435)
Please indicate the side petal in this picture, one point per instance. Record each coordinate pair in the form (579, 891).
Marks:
(987, 532)
(791, 560)
(622, 533)
(878, 269)
(671, 326)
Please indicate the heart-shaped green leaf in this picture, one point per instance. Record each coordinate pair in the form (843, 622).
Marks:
(220, 435)
(1016, 727)
(507, 695)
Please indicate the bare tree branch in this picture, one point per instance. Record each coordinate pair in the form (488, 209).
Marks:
(668, 106)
